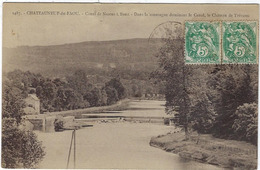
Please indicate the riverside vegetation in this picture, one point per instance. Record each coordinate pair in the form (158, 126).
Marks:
(88, 81)
(207, 149)
(220, 100)
(20, 148)
(211, 99)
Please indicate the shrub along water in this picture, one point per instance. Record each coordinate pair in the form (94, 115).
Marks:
(76, 92)
(20, 148)
(209, 98)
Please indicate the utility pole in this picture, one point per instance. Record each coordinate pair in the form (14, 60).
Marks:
(75, 148)
(72, 137)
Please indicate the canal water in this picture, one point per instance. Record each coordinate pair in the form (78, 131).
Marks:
(119, 145)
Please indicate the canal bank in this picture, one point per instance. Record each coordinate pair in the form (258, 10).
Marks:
(116, 145)
(71, 119)
(121, 145)
(207, 149)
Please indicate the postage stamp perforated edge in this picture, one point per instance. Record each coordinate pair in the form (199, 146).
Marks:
(221, 40)
(225, 59)
(218, 31)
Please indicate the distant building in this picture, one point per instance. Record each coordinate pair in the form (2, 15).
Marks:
(32, 105)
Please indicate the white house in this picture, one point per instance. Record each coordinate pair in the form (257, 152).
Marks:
(32, 105)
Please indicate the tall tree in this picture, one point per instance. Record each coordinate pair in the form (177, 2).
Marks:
(104, 97)
(186, 90)
(173, 71)
(60, 100)
(112, 96)
(233, 85)
(12, 101)
(245, 125)
(118, 86)
(79, 82)
(20, 149)
(94, 97)
(202, 115)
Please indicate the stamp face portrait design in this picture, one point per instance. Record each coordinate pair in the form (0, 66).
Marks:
(202, 42)
(239, 42)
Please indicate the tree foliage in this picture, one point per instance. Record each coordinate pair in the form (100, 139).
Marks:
(75, 92)
(118, 86)
(12, 101)
(20, 149)
(207, 96)
(233, 87)
(202, 115)
(112, 95)
(175, 74)
(245, 125)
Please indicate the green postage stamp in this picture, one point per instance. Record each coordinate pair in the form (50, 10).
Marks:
(238, 45)
(239, 42)
(202, 42)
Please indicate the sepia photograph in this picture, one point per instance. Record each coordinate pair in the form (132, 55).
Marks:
(130, 86)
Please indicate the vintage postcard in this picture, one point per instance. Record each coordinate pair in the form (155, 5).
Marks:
(130, 86)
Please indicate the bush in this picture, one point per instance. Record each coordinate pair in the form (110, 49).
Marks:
(202, 115)
(112, 95)
(116, 84)
(245, 126)
(20, 149)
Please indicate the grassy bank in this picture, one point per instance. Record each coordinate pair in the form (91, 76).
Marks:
(207, 149)
(120, 105)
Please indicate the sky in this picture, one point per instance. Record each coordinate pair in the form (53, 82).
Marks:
(22, 24)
